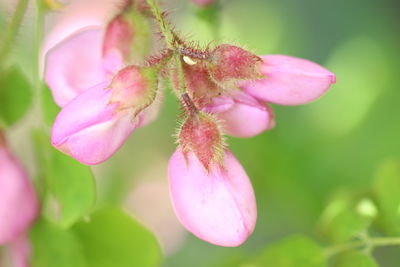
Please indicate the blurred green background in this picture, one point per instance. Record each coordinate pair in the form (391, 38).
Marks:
(334, 144)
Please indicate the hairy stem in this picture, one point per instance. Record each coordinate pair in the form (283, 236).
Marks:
(13, 28)
(181, 76)
(164, 25)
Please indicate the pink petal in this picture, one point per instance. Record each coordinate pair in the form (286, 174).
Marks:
(245, 117)
(90, 129)
(217, 206)
(220, 104)
(18, 203)
(290, 81)
(75, 64)
(112, 61)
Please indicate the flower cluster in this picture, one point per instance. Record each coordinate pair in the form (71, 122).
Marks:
(223, 90)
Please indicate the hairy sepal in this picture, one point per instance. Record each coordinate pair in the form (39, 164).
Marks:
(229, 64)
(201, 134)
(134, 88)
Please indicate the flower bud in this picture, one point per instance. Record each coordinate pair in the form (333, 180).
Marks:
(217, 205)
(127, 36)
(118, 37)
(94, 54)
(200, 134)
(241, 114)
(289, 80)
(18, 203)
(230, 63)
(93, 126)
(132, 86)
(198, 83)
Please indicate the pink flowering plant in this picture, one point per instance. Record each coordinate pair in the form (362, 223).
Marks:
(222, 90)
(101, 83)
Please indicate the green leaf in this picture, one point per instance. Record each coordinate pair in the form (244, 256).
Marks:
(111, 238)
(386, 190)
(49, 107)
(345, 217)
(295, 251)
(70, 187)
(53, 246)
(355, 259)
(15, 96)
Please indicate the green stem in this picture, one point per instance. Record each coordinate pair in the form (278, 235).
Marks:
(164, 26)
(37, 43)
(181, 76)
(13, 28)
(365, 243)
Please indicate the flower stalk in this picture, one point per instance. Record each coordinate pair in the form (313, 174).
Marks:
(369, 244)
(12, 30)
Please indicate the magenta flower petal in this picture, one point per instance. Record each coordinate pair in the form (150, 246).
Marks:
(18, 203)
(246, 117)
(75, 64)
(290, 81)
(217, 206)
(90, 129)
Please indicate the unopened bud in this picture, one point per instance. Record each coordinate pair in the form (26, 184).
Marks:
(201, 135)
(133, 86)
(119, 36)
(231, 63)
(128, 34)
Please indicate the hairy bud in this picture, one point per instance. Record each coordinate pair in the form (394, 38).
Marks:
(133, 87)
(230, 63)
(201, 135)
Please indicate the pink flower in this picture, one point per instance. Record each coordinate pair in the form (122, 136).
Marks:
(18, 203)
(93, 126)
(218, 204)
(289, 81)
(77, 63)
(88, 57)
